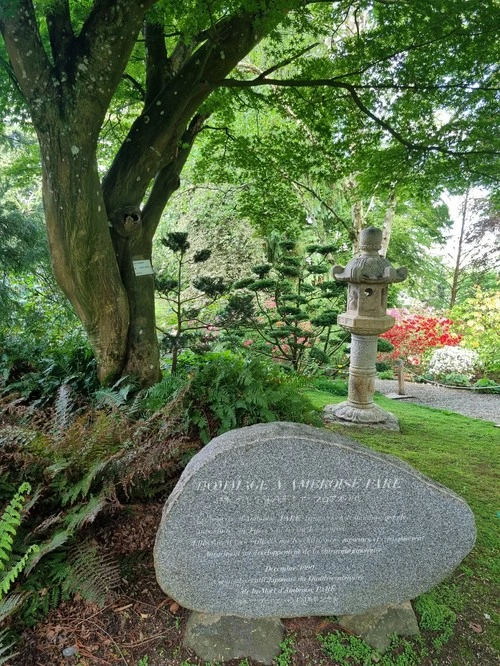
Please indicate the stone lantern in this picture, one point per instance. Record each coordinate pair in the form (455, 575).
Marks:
(368, 276)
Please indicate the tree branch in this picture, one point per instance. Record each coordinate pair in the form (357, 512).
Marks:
(395, 54)
(167, 180)
(352, 89)
(156, 60)
(226, 130)
(108, 35)
(61, 32)
(136, 85)
(406, 142)
(289, 60)
(336, 216)
(335, 83)
(153, 138)
(29, 61)
(10, 73)
(423, 87)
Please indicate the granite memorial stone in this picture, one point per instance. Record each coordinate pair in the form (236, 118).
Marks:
(287, 520)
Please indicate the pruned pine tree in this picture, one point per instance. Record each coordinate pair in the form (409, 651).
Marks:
(188, 307)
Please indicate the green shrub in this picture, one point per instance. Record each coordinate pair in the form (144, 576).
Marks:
(36, 367)
(333, 386)
(384, 346)
(289, 313)
(456, 379)
(485, 385)
(190, 309)
(477, 320)
(80, 461)
(162, 393)
(222, 391)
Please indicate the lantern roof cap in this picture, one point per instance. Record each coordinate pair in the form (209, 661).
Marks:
(370, 266)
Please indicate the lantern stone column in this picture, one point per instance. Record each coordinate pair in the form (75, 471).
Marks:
(366, 318)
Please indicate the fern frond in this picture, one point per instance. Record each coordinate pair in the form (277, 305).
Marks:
(85, 514)
(15, 569)
(32, 500)
(108, 397)
(63, 406)
(159, 453)
(93, 440)
(39, 604)
(11, 603)
(6, 647)
(117, 395)
(57, 540)
(48, 522)
(10, 521)
(18, 436)
(83, 486)
(53, 470)
(91, 574)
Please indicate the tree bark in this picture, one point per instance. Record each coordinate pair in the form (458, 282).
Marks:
(358, 220)
(458, 260)
(388, 223)
(82, 253)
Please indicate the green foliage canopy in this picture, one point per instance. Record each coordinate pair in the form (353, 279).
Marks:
(395, 88)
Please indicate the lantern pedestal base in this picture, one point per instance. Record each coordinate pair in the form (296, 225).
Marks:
(347, 414)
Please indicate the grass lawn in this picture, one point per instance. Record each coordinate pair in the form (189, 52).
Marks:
(464, 455)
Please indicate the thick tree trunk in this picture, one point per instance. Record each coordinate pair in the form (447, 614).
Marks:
(82, 254)
(68, 95)
(143, 355)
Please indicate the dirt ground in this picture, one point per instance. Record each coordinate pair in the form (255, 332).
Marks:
(140, 626)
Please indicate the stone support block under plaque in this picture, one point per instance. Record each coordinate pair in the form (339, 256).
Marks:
(226, 637)
(377, 626)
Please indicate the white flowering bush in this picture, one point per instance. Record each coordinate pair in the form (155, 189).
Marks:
(453, 361)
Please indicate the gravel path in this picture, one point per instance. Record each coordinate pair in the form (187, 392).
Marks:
(470, 403)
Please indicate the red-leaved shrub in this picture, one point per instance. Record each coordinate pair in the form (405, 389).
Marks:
(414, 334)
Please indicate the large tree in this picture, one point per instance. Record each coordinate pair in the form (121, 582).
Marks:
(386, 65)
